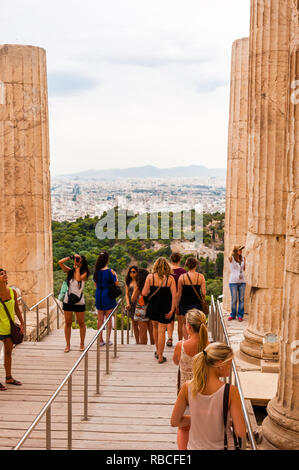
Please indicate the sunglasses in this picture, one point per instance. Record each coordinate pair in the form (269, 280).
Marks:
(133, 272)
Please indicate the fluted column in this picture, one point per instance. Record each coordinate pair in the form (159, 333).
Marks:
(281, 427)
(236, 211)
(25, 223)
(267, 174)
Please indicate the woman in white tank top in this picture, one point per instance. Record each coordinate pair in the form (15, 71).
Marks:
(183, 357)
(204, 395)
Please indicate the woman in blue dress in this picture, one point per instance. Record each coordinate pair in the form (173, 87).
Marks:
(103, 278)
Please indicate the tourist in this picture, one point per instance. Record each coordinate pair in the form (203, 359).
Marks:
(160, 290)
(176, 272)
(143, 323)
(204, 395)
(191, 288)
(130, 283)
(73, 300)
(183, 356)
(9, 297)
(237, 282)
(103, 278)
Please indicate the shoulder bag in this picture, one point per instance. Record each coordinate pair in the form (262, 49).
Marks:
(16, 334)
(204, 305)
(63, 291)
(114, 291)
(237, 440)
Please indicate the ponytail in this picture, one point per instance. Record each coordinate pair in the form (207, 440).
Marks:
(209, 357)
(197, 320)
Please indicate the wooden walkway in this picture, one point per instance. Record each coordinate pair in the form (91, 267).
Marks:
(132, 412)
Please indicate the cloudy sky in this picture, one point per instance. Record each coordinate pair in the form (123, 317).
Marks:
(133, 82)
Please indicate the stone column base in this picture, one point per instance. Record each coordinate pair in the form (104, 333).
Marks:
(279, 430)
(252, 344)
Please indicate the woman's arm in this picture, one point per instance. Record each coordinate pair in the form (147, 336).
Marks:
(173, 294)
(179, 291)
(114, 273)
(127, 296)
(177, 418)
(146, 288)
(61, 262)
(203, 285)
(230, 256)
(135, 294)
(177, 353)
(18, 311)
(78, 276)
(236, 412)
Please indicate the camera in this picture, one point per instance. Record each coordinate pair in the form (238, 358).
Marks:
(77, 258)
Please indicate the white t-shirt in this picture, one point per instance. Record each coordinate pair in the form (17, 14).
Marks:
(236, 272)
(75, 289)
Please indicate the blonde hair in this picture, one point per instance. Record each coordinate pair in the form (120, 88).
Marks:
(197, 320)
(213, 353)
(162, 267)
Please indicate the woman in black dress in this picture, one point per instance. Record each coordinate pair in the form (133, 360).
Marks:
(160, 290)
(191, 287)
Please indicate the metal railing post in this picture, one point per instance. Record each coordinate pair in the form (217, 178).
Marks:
(115, 334)
(128, 328)
(25, 322)
(122, 326)
(37, 323)
(69, 414)
(107, 349)
(48, 428)
(57, 316)
(98, 367)
(48, 316)
(86, 387)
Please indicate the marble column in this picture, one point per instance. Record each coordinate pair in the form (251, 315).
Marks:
(267, 167)
(236, 211)
(281, 427)
(25, 223)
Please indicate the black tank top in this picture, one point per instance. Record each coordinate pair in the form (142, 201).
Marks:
(160, 302)
(189, 297)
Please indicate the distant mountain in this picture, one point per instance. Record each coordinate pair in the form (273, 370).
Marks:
(150, 171)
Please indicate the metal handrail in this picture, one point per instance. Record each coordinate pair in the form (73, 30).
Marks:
(219, 333)
(68, 379)
(36, 307)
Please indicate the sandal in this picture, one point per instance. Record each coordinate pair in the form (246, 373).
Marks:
(67, 349)
(2, 387)
(169, 342)
(14, 382)
(163, 360)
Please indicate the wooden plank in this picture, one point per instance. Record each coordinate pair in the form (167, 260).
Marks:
(130, 413)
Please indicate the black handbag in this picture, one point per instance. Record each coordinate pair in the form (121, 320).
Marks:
(74, 299)
(114, 291)
(16, 334)
(237, 440)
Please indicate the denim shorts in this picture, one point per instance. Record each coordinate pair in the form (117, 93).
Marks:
(3, 337)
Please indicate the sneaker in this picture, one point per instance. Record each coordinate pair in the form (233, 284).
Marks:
(110, 343)
(102, 343)
(231, 318)
(240, 319)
